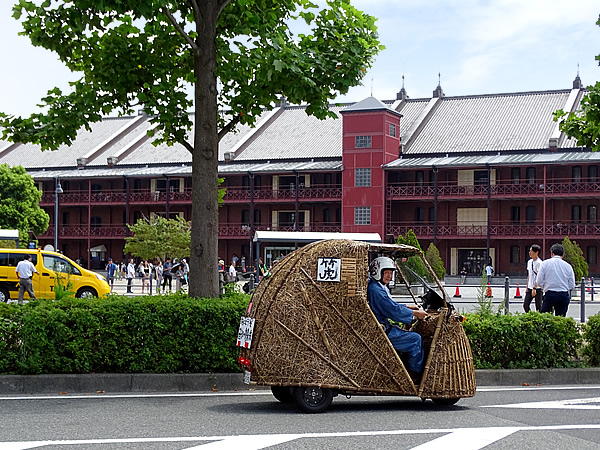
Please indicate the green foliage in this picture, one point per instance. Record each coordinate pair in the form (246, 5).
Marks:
(584, 124)
(159, 334)
(158, 237)
(574, 256)
(415, 263)
(591, 336)
(524, 341)
(484, 307)
(63, 288)
(432, 255)
(19, 203)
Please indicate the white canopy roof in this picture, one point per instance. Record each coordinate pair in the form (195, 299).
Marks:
(310, 236)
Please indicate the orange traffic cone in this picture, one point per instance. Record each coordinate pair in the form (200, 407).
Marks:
(489, 291)
(518, 293)
(457, 293)
(589, 284)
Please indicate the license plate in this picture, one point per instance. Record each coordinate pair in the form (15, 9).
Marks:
(246, 377)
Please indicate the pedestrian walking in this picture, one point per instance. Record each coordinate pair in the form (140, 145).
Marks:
(489, 271)
(111, 272)
(25, 269)
(130, 275)
(146, 272)
(167, 275)
(533, 289)
(463, 275)
(186, 270)
(556, 277)
(158, 275)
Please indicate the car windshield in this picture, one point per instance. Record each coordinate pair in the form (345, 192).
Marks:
(58, 264)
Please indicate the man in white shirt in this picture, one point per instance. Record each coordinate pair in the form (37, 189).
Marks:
(556, 277)
(25, 269)
(533, 290)
(232, 272)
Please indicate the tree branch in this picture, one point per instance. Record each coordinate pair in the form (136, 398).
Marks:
(188, 146)
(227, 128)
(178, 27)
(222, 5)
(196, 8)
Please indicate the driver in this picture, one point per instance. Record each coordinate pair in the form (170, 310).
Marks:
(384, 307)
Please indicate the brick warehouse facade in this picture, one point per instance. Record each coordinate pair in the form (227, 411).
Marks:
(467, 173)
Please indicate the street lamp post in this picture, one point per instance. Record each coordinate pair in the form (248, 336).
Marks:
(58, 190)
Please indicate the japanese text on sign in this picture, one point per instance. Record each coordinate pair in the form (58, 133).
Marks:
(245, 331)
(329, 269)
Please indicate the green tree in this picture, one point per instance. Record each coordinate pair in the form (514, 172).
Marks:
(239, 55)
(432, 255)
(574, 256)
(413, 262)
(584, 124)
(158, 237)
(19, 203)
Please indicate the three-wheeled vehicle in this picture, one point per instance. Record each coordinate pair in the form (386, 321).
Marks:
(310, 334)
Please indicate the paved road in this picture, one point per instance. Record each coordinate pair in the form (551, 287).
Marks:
(496, 418)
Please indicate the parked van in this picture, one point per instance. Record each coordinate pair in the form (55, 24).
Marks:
(85, 282)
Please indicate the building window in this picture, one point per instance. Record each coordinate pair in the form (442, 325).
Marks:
(326, 216)
(362, 215)
(576, 214)
(257, 217)
(480, 177)
(393, 129)
(95, 222)
(530, 214)
(419, 178)
(432, 214)
(592, 174)
(515, 254)
(576, 174)
(515, 175)
(362, 177)
(592, 254)
(592, 214)
(515, 214)
(245, 219)
(530, 174)
(419, 214)
(362, 142)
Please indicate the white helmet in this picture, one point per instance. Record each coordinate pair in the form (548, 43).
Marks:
(378, 265)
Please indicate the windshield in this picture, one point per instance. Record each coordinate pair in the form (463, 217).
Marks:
(58, 264)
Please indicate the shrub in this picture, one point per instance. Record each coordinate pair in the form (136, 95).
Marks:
(527, 341)
(591, 335)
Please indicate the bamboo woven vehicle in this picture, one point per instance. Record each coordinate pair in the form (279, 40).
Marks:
(310, 334)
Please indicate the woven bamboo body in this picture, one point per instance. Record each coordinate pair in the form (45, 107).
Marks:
(310, 332)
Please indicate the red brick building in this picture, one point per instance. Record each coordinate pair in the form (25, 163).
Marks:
(467, 173)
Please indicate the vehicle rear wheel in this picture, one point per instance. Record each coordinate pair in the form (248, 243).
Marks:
(445, 401)
(4, 296)
(87, 293)
(282, 393)
(312, 399)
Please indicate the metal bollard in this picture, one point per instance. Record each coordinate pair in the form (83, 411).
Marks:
(592, 291)
(582, 305)
(251, 283)
(221, 283)
(506, 295)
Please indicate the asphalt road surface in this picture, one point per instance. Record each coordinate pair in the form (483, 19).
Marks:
(529, 417)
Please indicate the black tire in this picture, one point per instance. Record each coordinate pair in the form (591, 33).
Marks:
(282, 393)
(86, 292)
(312, 399)
(445, 401)
(4, 295)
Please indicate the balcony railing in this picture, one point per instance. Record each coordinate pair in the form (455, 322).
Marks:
(496, 230)
(502, 189)
(232, 194)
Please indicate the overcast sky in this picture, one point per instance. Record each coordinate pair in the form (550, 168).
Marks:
(478, 47)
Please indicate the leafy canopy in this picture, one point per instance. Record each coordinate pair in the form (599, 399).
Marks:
(158, 237)
(584, 125)
(574, 256)
(19, 203)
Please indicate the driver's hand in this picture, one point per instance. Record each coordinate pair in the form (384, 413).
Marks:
(420, 314)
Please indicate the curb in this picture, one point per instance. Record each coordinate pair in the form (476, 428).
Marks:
(219, 382)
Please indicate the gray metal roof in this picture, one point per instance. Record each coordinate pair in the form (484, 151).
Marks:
(494, 160)
(484, 123)
(369, 104)
(410, 110)
(294, 134)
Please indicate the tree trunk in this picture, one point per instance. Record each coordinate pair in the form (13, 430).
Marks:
(204, 277)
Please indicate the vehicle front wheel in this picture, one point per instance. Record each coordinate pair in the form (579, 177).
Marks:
(445, 401)
(4, 296)
(282, 393)
(312, 399)
(87, 293)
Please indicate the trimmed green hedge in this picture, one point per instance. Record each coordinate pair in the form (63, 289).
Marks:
(161, 334)
(175, 333)
(524, 341)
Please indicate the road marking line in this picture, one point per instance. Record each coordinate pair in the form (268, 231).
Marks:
(484, 437)
(468, 438)
(578, 403)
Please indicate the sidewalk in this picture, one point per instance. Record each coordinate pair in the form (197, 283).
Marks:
(201, 382)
